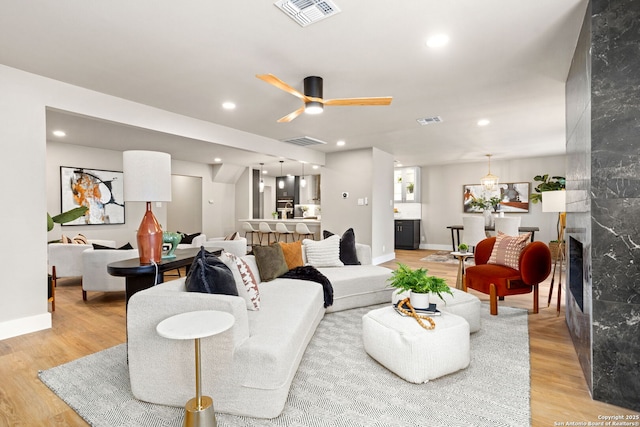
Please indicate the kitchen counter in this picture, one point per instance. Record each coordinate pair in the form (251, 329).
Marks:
(312, 224)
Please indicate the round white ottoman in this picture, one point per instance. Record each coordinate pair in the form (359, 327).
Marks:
(413, 353)
(460, 303)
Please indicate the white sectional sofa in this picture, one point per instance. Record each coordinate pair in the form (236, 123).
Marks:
(248, 369)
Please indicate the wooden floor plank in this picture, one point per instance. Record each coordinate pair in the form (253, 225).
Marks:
(559, 392)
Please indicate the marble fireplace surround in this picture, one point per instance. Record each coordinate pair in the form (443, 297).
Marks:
(603, 200)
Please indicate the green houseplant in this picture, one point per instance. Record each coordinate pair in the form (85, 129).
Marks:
(546, 183)
(65, 217)
(418, 282)
(463, 247)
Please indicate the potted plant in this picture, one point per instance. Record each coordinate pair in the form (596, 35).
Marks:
(463, 248)
(547, 183)
(274, 215)
(410, 188)
(419, 284)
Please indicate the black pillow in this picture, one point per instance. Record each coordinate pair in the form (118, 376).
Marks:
(210, 275)
(123, 247)
(188, 238)
(348, 254)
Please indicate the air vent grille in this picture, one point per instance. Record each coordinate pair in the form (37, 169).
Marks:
(306, 12)
(429, 120)
(303, 141)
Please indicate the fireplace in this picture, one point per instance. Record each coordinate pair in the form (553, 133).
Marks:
(576, 271)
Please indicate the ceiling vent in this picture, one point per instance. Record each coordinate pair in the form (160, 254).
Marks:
(306, 12)
(429, 120)
(304, 141)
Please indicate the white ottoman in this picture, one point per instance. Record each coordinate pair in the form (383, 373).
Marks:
(413, 353)
(461, 304)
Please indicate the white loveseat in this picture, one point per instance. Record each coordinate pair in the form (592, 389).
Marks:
(248, 369)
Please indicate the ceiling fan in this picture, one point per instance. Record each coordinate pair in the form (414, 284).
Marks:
(312, 97)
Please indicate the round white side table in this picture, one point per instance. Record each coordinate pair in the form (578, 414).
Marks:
(462, 256)
(195, 325)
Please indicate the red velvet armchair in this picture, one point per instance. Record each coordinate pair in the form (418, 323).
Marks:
(500, 281)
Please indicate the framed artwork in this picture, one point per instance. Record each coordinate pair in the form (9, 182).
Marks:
(102, 191)
(514, 197)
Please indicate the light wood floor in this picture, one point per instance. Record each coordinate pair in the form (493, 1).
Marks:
(558, 390)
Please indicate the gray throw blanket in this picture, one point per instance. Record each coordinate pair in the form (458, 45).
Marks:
(308, 272)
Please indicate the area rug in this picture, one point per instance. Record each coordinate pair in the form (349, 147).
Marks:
(337, 384)
(445, 256)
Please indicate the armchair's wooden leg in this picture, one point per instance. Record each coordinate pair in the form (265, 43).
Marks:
(493, 299)
(535, 298)
(84, 295)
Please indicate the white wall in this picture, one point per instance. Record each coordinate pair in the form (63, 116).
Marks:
(25, 98)
(442, 195)
(184, 213)
(366, 173)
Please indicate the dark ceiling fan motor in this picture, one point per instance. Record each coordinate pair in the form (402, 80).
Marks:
(313, 88)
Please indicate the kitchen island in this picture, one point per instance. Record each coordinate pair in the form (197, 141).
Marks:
(313, 224)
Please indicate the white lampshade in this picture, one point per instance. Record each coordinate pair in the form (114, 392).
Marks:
(147, 176)
(554, 201)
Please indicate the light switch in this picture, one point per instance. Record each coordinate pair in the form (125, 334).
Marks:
(360, 202)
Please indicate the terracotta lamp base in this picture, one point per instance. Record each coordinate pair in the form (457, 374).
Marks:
(149, 238)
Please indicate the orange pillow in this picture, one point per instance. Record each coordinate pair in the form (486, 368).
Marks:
(292, 254)
(507, 249)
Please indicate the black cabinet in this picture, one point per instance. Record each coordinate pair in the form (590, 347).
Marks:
(407, 233)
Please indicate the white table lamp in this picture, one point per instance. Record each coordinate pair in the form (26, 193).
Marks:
(147, 178)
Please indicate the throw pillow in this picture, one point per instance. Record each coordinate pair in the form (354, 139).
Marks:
(232, 236)
(248, 292)
(348, 254)
(271, 262)
(188, 238)
(507, 249)
(208, 274)
(292, 254)
(124, 247)
(323, 253)
(80, 240)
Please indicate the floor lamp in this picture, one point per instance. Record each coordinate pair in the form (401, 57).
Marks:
(147, 178)
(555, 201)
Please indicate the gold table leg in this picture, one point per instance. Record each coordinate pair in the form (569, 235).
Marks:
(199, 410)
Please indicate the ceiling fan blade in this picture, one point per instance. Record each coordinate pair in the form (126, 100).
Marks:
(291, 116)
(386, 100)
(273, 80)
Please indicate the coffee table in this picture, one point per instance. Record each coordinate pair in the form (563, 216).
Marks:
(195, 325)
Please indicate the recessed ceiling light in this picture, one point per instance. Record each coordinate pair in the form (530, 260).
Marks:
(483, 122)
(340, 143)
(228, 105)
(399, 164)
(59, 133)
(315, 166)
(438, 40)
(217, 159)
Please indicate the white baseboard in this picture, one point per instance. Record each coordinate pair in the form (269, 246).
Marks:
(383, 258)
(435, 247)
(25, 325)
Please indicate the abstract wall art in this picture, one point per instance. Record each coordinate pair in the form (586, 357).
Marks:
(102, 191)
(513, 197)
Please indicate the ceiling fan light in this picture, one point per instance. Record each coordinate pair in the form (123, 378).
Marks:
(313, 107)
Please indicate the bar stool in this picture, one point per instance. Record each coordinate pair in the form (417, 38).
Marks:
(249, 230)
(303, 230)
(263, 229)
(282, 229)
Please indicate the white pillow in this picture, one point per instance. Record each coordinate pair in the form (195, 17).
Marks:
(323, 253)
(248, 291)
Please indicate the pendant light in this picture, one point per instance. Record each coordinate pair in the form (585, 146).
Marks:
(261, 185)
(281, 182)
(489, 181)
(303, 182)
